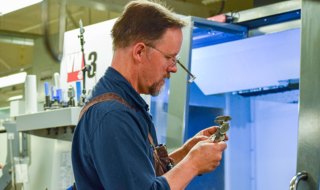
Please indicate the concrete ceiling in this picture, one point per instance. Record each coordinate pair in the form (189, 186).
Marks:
(19, 28)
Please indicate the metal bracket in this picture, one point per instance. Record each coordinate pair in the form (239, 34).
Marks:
(296, 179)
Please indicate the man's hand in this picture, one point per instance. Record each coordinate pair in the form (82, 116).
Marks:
(201, 136)
(205, 156)
(208, 132)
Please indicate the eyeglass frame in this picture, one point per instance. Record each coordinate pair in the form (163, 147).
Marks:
(175, 61)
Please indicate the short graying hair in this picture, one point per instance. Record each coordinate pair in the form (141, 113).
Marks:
(143, 21)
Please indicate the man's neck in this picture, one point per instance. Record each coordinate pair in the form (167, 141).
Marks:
(125, 65)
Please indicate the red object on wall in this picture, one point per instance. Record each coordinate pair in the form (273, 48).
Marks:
(0, 166)
(218, 18)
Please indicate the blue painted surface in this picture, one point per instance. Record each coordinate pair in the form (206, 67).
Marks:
(263, 132)
(159, 112)
(264, 129)
(52, 92)
(78, 89)
(207, 33)
(239, 157)
(275, 19)
(46, 88)
(59, 95)
(205, 37)
(197, 98)
(201, 118)
(262, 139)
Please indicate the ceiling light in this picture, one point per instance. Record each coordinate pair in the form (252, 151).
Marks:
(13, 79)
(206, 2)
(15, 98)
(15, 40)
(13, 5)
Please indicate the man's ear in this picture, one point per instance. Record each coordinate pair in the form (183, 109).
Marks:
(139, 50)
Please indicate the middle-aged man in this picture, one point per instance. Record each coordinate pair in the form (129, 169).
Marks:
(111, 148)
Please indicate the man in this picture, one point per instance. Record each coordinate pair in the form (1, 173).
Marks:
(110, 147)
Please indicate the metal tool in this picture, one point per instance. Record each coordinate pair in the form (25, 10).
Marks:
(86, 68)
(222, 129)
(71, 95)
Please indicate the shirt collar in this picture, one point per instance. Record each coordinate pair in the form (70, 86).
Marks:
(114, 75)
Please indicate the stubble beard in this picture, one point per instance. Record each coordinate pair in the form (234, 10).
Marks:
(154, 88)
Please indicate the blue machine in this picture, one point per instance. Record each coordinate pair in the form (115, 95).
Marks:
(253, 77)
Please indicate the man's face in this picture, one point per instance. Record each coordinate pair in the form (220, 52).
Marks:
(160, 60)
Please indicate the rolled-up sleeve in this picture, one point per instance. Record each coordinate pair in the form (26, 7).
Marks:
(121, 155)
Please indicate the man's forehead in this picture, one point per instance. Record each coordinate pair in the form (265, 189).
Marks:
(172, 33)
(172, 40)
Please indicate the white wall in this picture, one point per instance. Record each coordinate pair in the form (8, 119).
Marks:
(276, 127)
(62, 174)
(262, 146)
(238, 163)
(40, 169)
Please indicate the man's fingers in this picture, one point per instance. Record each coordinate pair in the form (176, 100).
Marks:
(201, 138)
(210, 131)
(226, 137)
(208, 141)
(222, 144)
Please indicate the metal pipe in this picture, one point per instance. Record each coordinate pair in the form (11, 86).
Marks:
(57, 56)
(12, 164)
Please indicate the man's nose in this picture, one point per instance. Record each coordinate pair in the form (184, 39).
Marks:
(173, 69)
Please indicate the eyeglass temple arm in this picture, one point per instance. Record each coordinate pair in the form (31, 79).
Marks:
(192, 76)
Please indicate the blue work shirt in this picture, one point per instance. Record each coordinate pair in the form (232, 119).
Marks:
(110, 147)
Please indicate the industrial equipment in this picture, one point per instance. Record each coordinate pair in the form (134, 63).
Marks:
(17, 147)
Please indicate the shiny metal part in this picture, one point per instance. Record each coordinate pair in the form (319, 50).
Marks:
(191, 75)
(274, 28)
(265, 11)
(296, 179)
(268, 11)
(222, 129)
(309, 104)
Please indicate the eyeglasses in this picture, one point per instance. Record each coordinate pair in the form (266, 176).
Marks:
(175, 60)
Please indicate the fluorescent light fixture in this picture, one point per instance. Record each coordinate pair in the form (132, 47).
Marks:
(13, 79)
(13, 5)
(14, 40)
(206, 2)
(15, 98)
